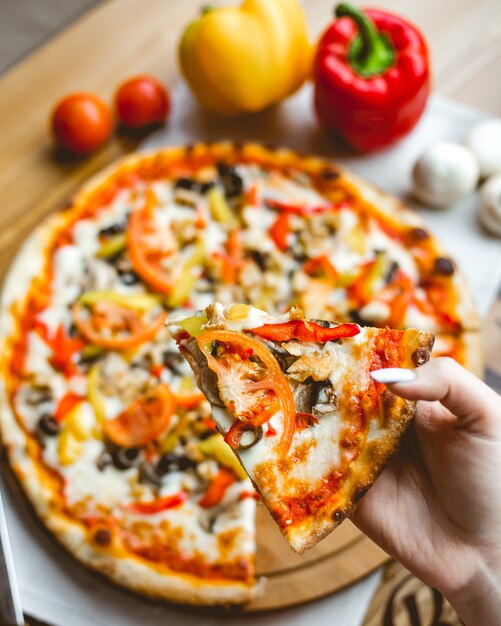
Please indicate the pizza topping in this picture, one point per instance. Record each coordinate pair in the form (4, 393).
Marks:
(174, 462)
(149, 246)
(217, 488)
(159, 504)
(304, 331)
(112, 246)
(230, 179)
(66, 405)
(104, 460)
(279, 232)
(316, 365)
(117, 323)
(64, 348)
(143, 420)
(102, 536)
(443, 266)
(220, 209)
(298, 209)
(250, 383)
(48, 426)
(215, 447)
(125, 458)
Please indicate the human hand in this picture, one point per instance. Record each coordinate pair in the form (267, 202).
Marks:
(437, 506)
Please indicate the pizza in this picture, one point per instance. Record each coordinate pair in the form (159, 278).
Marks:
(101, 418)
(295, 400)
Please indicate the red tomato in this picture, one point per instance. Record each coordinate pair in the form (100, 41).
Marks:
(81, 122)
(142, 101)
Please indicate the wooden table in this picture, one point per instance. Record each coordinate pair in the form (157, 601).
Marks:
(121, 37)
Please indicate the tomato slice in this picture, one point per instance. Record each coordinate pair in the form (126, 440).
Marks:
(250, 382)
(114, 326)
(143, 420)
(304, 331)
(146, 250)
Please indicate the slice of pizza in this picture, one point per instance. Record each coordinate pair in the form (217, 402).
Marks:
(295, 400)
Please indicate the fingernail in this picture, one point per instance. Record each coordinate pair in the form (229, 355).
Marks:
(393, 375)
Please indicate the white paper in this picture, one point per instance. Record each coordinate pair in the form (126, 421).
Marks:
(56, 589)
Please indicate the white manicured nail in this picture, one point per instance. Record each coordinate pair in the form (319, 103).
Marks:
(393, 375)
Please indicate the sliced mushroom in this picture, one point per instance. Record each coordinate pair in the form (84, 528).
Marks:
(326, 399)
(284, 358)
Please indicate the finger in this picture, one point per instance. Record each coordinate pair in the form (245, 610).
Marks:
(444, 380)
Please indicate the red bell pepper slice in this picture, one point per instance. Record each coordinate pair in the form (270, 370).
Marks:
(321, 265)
(279, 231)
(67, 403)
(64, 347)
(304, 331)
(217, 488)
(159, 504)
(300, 209)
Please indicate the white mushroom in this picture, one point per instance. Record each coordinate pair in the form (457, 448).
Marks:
(444, 173)
(490, 205)
(484, 140)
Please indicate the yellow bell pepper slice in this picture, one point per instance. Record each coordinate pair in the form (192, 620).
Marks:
(94, 394)
(193, 325)
(215, 447)
(138, 301)
(69, 448)
(112, 246)
(170, 440)
(220, 209)
(186, 280)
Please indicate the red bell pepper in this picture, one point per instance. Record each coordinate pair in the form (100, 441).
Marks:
(372, 77)
(279, 231)
(304, 331)
(159, 504)
(67, 403)
(299, 209)
(217, 488)
(321, 266)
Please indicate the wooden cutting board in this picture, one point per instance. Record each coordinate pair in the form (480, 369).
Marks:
(342, 558)
(123, 37)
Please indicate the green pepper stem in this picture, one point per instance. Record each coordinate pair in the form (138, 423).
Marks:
(370, 52)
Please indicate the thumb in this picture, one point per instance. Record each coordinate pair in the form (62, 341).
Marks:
(477, 406)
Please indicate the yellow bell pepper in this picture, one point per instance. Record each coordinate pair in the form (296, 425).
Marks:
(93, 393)
(139, 301)
(186, 280)
(220, 209)
(113, 246)
(244, 59)
(193, 325)
(215, 447)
